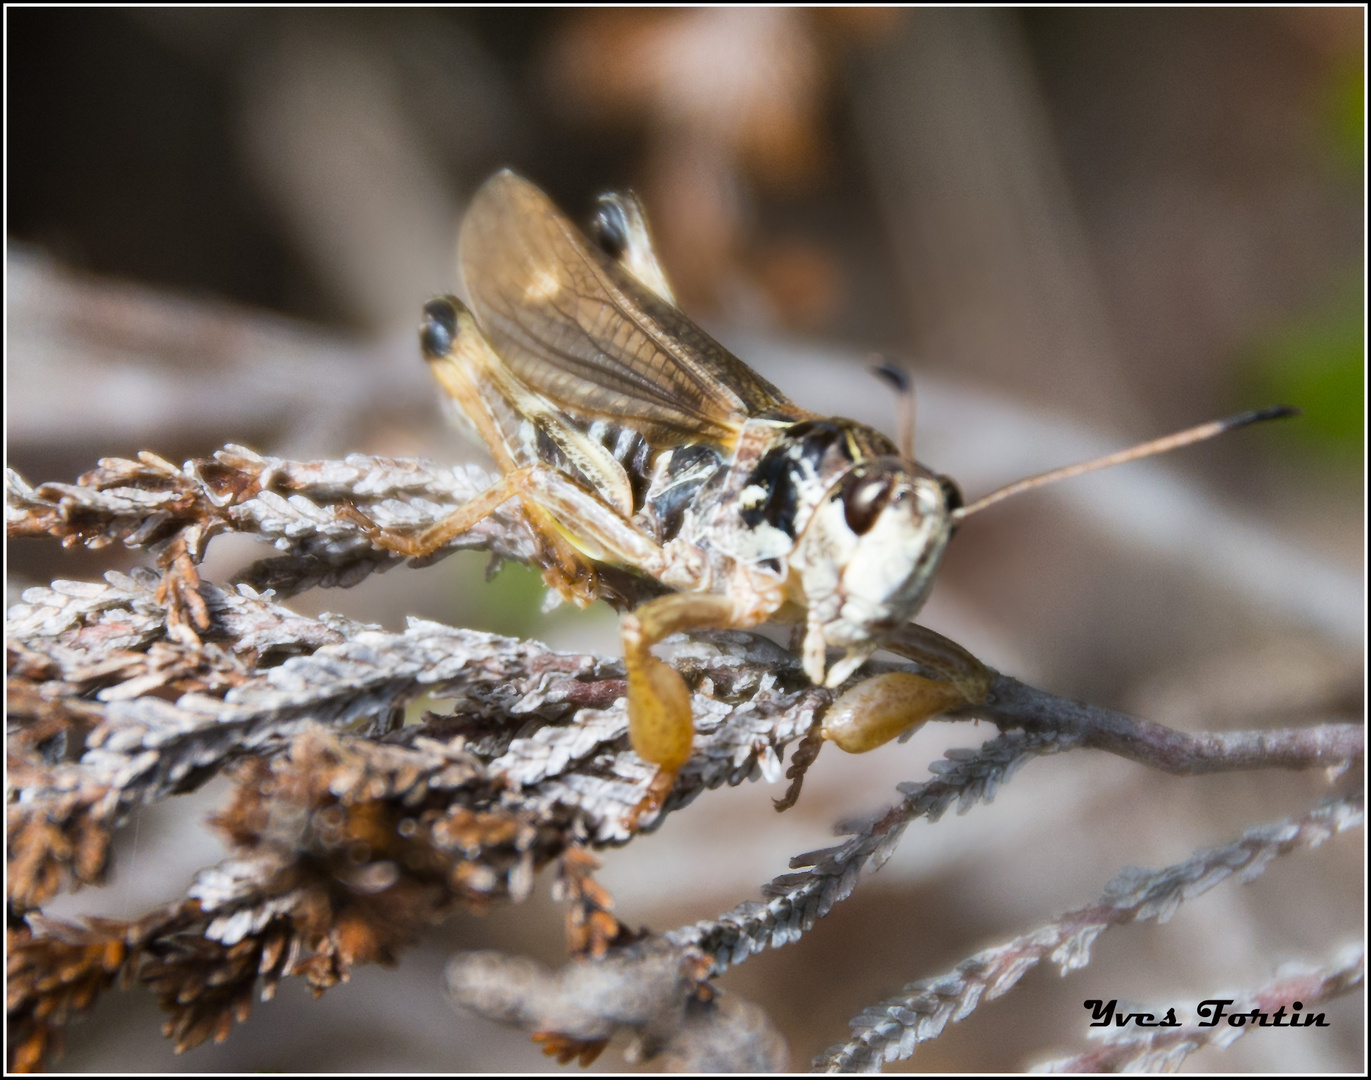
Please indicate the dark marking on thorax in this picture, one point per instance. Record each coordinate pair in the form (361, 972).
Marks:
(792, 475)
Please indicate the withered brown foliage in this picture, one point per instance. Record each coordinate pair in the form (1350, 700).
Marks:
(592, 928)
(349, 831)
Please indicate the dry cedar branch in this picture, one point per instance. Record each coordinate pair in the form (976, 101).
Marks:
(350, 829)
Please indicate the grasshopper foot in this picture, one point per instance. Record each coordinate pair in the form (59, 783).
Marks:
(348, 512)
(650, 803)
(385, 539)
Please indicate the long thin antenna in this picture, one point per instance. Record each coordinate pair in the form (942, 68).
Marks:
(1142, 450)
(890, 372)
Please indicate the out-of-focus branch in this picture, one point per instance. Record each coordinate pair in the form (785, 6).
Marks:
(891, 1030)
(654, 992)
(796, 901)
(648, 988)
(100, 362)
(958, 139)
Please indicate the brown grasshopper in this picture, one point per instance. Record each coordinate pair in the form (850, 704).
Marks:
(635, 441)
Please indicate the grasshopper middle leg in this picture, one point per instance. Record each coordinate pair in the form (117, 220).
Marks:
(659, 721)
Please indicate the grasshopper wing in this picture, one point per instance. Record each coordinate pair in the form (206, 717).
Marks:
(578, 328)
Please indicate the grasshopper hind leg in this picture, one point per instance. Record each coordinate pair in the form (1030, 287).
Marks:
(416, 546)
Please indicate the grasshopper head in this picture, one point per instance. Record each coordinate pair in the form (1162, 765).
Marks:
(867, 558)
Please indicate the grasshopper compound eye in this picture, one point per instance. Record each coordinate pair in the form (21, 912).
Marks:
(864, 496)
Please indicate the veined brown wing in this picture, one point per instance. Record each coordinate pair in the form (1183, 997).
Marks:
(579, 329)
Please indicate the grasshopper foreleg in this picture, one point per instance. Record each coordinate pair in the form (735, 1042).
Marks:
(885, 706)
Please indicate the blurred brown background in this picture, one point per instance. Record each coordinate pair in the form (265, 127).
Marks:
(1081, 227)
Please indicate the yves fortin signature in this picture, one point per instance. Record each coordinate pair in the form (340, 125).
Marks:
(1210, 1011)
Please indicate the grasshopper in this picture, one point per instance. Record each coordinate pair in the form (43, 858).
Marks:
(635, 442)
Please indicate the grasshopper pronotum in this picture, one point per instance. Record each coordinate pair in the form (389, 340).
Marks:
(633, 439)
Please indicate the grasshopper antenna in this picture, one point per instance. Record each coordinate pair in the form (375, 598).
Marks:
(1142, 450)
(897, 378)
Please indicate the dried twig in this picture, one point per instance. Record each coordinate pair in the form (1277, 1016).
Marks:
(1336, 746)
(349, 831)
(150, 503)
(591, 925)
(795, 901)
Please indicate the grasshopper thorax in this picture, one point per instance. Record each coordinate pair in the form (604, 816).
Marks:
(867, 558)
